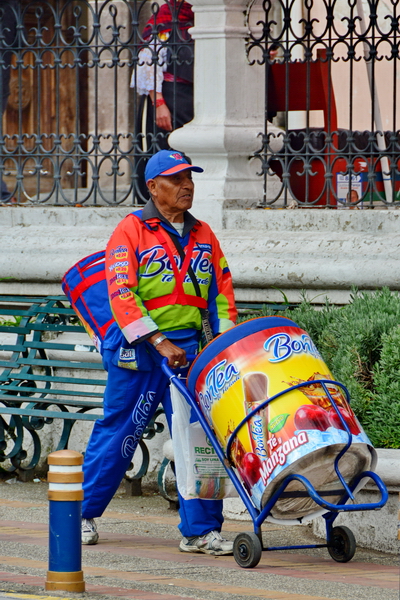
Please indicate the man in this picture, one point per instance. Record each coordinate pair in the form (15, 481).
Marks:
(165, 87)
(154, 302)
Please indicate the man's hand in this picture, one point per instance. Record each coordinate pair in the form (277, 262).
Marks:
(163, 114)
(176, 356)
(163, 117)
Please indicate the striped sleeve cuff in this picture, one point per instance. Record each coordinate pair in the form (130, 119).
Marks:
(140, 328)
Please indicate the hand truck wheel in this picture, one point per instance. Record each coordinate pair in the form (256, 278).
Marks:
(247, 550)
(342, 546)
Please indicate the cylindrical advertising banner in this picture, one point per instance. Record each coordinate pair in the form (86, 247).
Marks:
(300, 432)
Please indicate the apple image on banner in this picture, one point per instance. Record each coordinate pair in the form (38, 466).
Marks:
(250, 468)
(310, 416)
(347, 416)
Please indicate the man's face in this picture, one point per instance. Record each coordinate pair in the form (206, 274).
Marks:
(173, 194)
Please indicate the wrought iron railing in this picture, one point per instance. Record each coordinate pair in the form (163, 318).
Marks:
(341, 59)
(75, 133)
(73, 130)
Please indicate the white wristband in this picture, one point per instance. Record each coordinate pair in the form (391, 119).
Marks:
(158, 340)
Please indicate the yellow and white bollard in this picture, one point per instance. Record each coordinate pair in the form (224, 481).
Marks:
(65, 493)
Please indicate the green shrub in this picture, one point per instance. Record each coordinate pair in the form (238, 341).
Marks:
(360, 343)
(14, 323)
(382, 415)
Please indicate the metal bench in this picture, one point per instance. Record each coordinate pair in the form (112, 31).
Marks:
(50, 374)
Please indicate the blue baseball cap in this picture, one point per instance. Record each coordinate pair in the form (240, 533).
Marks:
(167, 162)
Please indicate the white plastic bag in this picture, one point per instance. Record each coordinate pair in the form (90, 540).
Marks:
(199, 472)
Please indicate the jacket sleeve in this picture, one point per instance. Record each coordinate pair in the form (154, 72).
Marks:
(122, 280)
(221, 298)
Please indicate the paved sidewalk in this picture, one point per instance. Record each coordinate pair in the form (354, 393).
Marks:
(138, 558)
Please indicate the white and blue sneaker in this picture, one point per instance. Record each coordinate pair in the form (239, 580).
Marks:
(211, 543)
(89, 532)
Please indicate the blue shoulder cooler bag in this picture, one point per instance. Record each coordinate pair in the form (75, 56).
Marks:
(85, 286)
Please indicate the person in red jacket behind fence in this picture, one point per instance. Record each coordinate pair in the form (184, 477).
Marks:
(158, 309)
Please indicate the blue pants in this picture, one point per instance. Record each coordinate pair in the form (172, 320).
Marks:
(130, 400)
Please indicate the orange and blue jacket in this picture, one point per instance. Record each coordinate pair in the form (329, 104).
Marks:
(148, 283)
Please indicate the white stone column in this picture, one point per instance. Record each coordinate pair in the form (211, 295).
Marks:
(229, 112)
